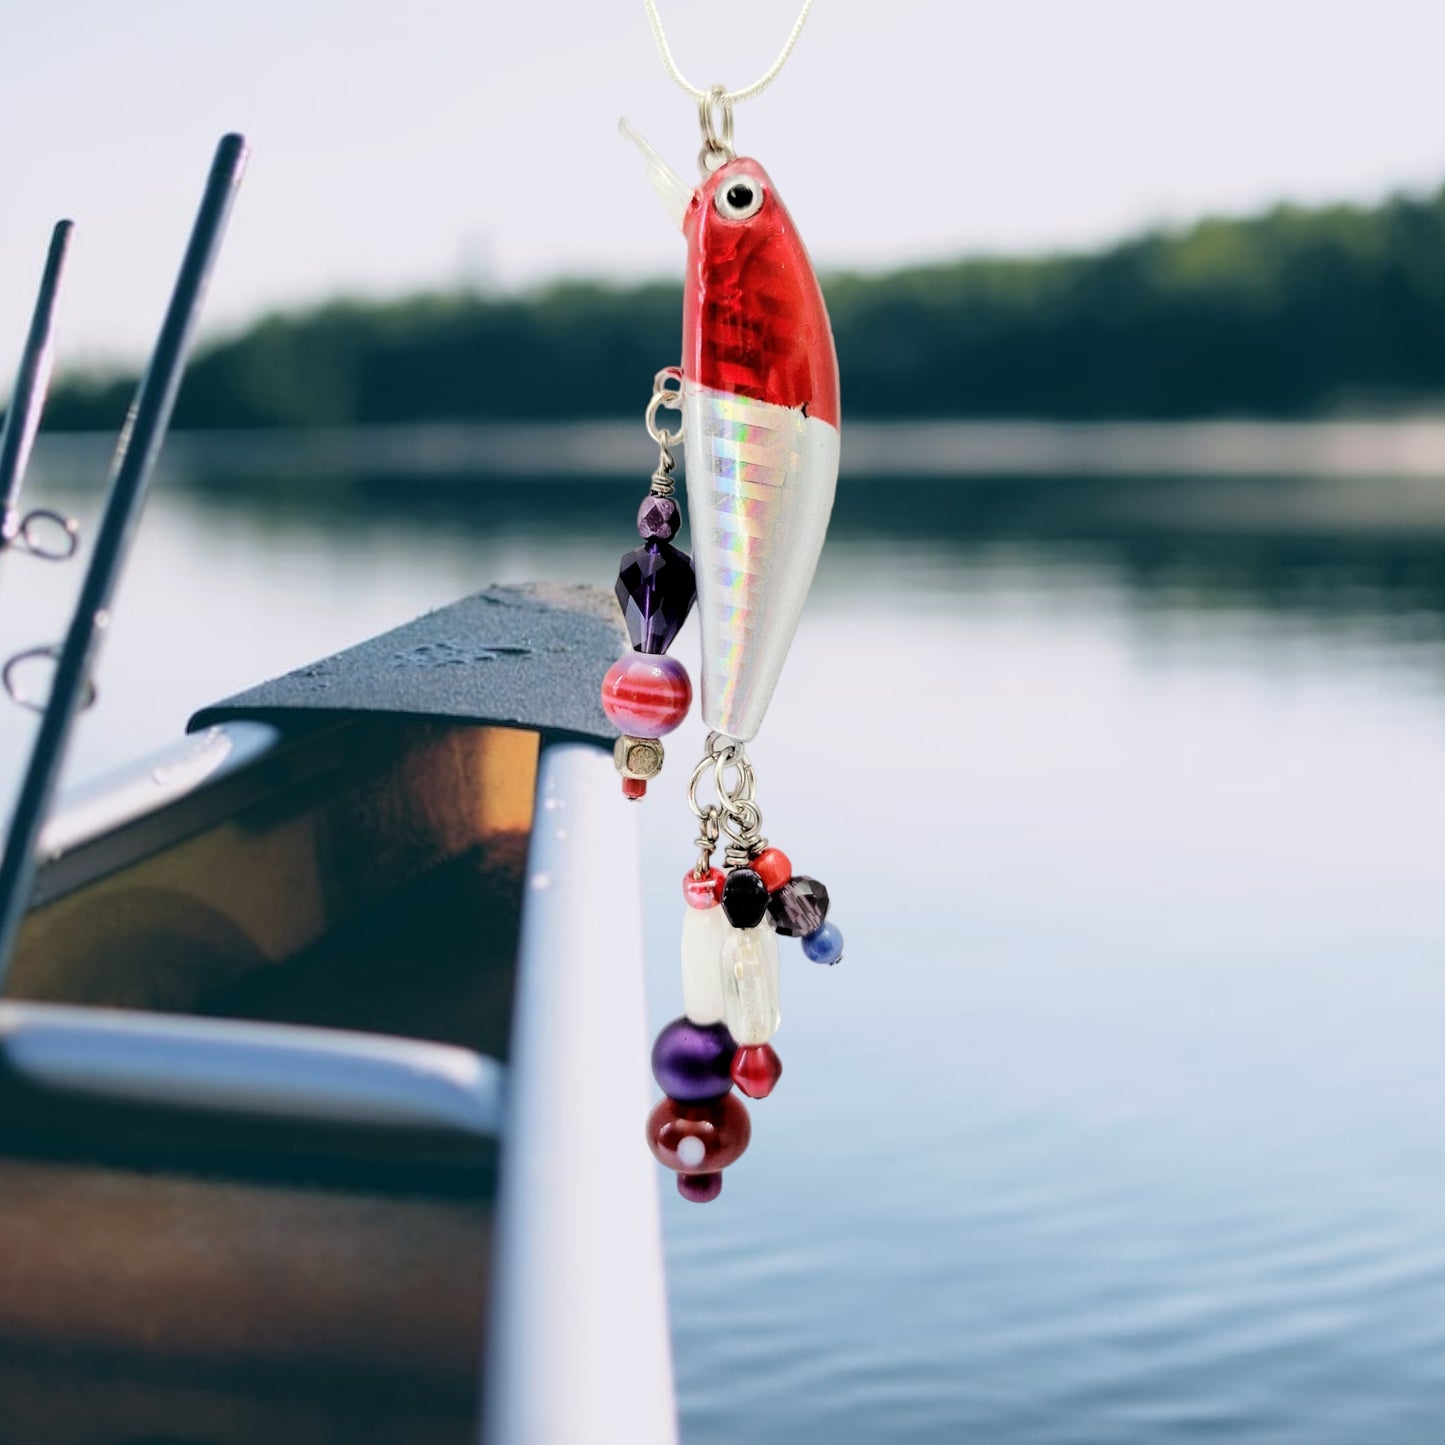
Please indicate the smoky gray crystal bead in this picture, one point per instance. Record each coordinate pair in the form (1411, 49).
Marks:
(799, 907)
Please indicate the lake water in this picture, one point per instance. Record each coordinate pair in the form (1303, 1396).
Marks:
(1123, 1119)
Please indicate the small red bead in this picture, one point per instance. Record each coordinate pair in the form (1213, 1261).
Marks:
(773, 867)
(634, 788)
(646, 695)
(704, 892)
(756, 1070)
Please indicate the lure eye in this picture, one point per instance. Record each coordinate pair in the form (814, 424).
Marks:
(739, 199)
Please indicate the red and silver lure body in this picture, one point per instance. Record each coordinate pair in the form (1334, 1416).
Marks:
(760, 415)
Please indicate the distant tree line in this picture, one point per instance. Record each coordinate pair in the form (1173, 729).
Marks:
(1290, 313)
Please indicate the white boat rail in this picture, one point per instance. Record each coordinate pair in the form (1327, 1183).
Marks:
(578, 1346)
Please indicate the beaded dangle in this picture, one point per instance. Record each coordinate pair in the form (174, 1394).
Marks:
(758, 393)
(646, 693)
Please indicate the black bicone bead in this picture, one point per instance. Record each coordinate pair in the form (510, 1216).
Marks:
(744, 898)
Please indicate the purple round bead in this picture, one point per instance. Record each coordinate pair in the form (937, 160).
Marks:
(700, 1188)
(692, 1063)
(658, 517)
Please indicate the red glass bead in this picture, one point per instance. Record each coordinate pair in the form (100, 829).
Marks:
(700, 1188)
(756, 1070)
(646, 695)
(699, 1138)
(634, 788)
(704, 892)
(773, 867)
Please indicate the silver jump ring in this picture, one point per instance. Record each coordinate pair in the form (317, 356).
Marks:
(661, 436)
(717, 140)
(698, 773)
(746, 783)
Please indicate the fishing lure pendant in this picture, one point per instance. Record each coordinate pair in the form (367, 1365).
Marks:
(760, 423)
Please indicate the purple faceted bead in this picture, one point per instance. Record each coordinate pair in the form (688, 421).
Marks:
(700, 1188)
(658, 517)
(799, 907)
(656, 588)
(692, 1063)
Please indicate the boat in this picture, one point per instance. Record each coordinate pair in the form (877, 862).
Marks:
(322, 1061)
(322, 1044)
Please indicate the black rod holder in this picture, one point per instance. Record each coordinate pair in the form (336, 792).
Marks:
(136, 451)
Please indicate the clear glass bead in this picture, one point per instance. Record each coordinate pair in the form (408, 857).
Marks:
(750, 983)
(703, 930)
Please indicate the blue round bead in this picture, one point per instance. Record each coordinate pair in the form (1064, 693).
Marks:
(824, 944)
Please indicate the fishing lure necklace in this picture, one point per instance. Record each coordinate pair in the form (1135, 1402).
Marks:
(758, 393)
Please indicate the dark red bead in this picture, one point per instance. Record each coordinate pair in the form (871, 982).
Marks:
(699, 1138)
(744, 898)
(700, 1188)
(756, 1070)
(634, 788)
(773, 867)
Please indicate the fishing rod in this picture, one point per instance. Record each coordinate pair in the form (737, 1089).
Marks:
(22, 419)
(136, 451)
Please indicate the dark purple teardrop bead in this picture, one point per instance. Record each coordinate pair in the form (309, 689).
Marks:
(658, 518)
(692, 1063)
(656, 588)
(799, 906)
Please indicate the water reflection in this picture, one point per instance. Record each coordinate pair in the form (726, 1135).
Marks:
(1122, 1123)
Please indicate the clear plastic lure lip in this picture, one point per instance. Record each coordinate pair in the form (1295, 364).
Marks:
(674, 192)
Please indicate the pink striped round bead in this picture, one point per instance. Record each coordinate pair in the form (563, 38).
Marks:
(646, 694)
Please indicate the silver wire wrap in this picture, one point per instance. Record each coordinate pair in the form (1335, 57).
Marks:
(665, 397)
(736, 812)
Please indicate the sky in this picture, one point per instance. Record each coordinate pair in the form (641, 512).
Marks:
(402, 147)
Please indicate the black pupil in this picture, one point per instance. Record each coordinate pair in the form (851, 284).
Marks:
(740, 196)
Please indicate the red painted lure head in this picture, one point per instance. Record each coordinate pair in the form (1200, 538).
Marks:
(753, 319)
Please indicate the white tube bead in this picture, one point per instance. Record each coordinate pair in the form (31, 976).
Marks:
(702, 986)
